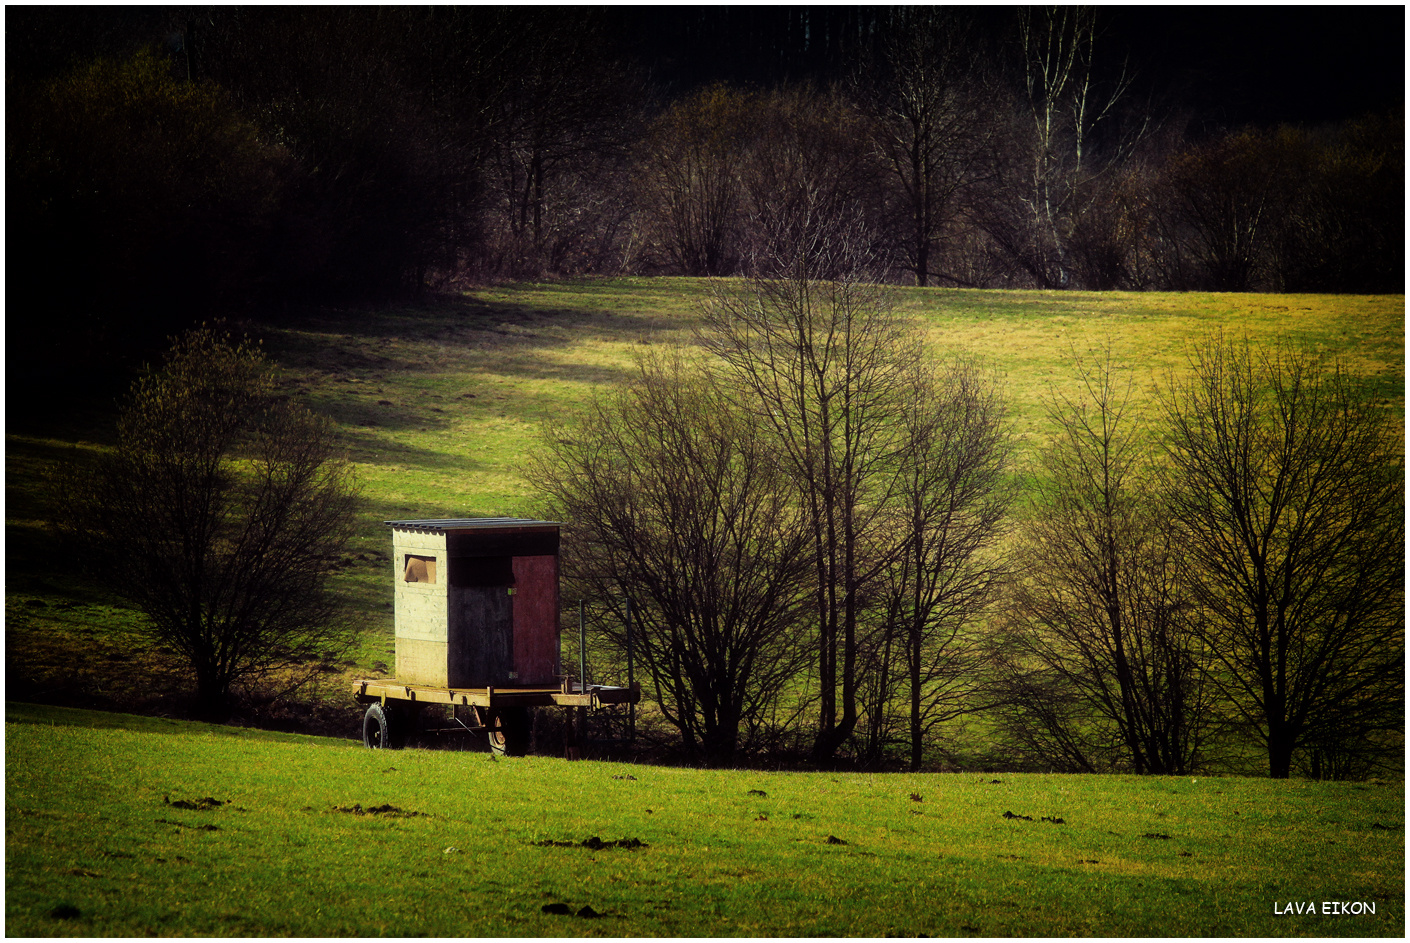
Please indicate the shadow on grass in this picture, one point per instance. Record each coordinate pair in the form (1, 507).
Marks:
(457, 334)
(504, 328)
(389, 409)
(30, 464)
(70, 397)
(372, 447)
(53, 716)
(432, 368)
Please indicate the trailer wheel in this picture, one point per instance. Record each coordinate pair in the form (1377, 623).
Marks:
(507, 730)
(382, 728)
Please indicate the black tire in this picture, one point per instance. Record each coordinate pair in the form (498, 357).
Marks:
(507, 730)
(382, 728)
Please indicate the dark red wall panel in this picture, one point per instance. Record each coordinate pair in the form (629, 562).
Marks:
(536, 619)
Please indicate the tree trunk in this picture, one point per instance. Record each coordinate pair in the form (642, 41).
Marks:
(916, 743)
(917, 627)
(537, 176)
(827, 658)
(1281, 744)
(212, 694)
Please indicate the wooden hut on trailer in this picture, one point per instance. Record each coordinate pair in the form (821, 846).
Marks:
(476, 602)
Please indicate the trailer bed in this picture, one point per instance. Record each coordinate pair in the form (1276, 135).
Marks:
(567, 695)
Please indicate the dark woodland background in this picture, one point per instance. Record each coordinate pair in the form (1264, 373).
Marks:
(166, 164)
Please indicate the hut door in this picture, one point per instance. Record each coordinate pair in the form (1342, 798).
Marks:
(482, 651)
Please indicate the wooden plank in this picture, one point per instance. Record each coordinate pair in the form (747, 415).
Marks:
(366, 690)
(371, 690)
(481, 645)
(422, 661)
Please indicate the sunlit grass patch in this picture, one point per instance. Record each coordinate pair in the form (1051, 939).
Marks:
(1028, 336)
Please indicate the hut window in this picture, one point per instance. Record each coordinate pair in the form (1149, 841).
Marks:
(420, 569)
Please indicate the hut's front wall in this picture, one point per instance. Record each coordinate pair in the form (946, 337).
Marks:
(421, 611)
(475, 610)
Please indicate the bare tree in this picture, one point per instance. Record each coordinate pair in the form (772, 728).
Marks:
(925, 95)
(1225, 194)
(951, 501)
(691, 179)
(823, 365)
(672, 498)
(1114, 240)
(1342, 226)
(808, 161)
(1288, 484)
(1051, 166)
(1103, 613)
(1040, 717)
(560, 130)
(218, 515)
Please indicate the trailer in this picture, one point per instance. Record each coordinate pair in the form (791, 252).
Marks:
(476, 612)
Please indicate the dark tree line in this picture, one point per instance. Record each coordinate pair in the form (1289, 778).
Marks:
(166, 162)
(211, 157)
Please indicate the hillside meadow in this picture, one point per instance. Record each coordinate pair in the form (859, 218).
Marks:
(119, 825)
(440, 404)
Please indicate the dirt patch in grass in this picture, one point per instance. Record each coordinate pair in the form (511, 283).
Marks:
(386, 810)
(198, 805)
(195, 828)
(593, 844)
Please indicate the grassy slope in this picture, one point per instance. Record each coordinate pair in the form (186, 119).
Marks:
(94, 848)
(439, 406)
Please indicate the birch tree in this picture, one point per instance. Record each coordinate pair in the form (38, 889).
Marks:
(1053, 167)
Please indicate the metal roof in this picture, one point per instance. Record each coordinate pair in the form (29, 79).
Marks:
(472, 523)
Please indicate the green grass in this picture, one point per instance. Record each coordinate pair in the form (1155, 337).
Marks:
(96, 845)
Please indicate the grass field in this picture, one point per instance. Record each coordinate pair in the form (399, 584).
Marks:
(439, 405)
(121, 825)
